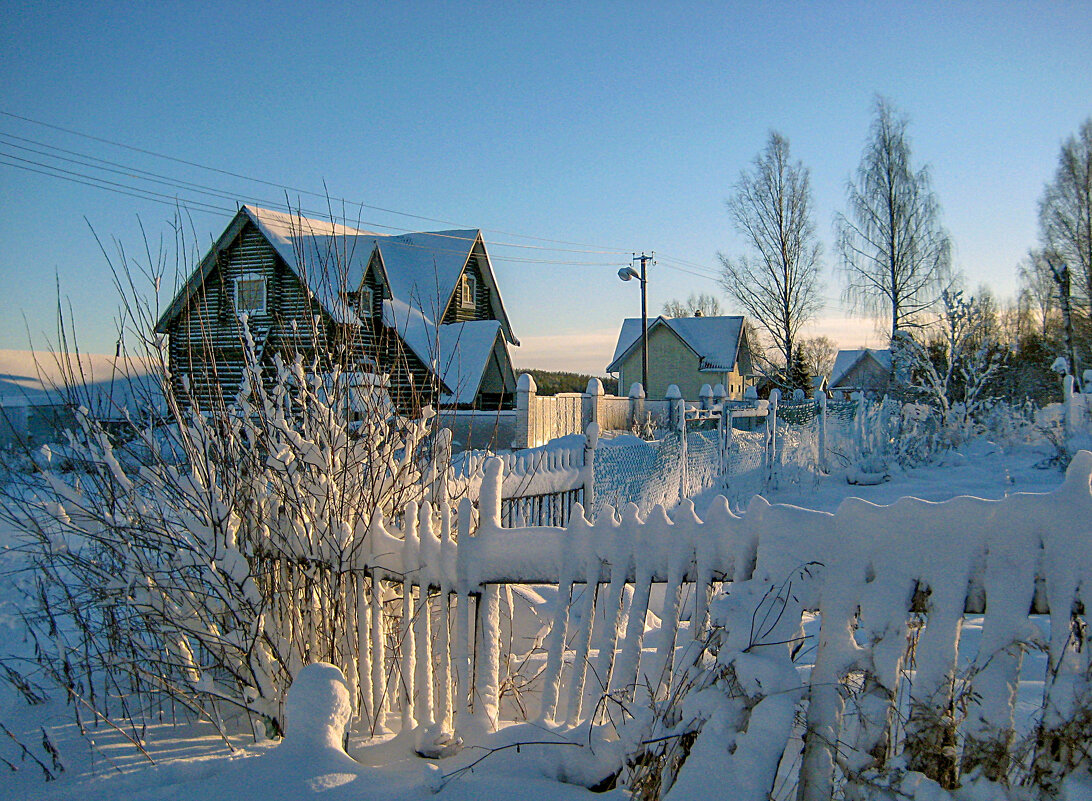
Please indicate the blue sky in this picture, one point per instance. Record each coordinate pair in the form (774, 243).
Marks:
(618, 126)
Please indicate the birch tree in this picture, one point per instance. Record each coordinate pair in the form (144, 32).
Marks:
(777, 283)
(1065, 212)
(1065, 228)
(892, 249)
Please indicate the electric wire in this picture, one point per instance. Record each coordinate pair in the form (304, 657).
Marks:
(297, 190)
(83, 160)
(92, 162)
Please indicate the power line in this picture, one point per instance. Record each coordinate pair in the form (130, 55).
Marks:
(83, 159)
(297, 190)
(209, 208)
(93, 162)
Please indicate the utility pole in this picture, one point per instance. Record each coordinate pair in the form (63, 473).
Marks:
(628, 274)
(644, 321)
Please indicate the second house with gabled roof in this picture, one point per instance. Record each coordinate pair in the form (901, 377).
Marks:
(423, 308)
(865, 370)
(688, 352)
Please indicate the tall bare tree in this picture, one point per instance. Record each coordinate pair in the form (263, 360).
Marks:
(699, 305)
(1065, 212)
(1039, 289)
(1065, 228)
(894, 253)
(777, 284)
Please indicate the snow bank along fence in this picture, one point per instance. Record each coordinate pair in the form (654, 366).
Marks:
(892, 681)
(716, 445)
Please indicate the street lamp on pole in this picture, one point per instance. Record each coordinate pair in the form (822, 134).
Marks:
(628, 274)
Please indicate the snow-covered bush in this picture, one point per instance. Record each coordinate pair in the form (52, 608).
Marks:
(726, 719)
(952, 373)
(208, 584)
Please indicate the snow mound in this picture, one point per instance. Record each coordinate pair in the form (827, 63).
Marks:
(318, 708)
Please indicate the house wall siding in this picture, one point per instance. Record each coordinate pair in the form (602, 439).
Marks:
(207, 338)
(670, 361)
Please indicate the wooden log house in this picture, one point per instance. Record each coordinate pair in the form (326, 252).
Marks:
(423, 308)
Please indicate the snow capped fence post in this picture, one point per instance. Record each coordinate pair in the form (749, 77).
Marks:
(636, 405)
(822, 399)
(705, 397)
(464, 665)
(772, 456)
(591, 442)
(592, 396)
(677, 407)
(526, 429)
(720, 396)
(724, 437)
(487, 664)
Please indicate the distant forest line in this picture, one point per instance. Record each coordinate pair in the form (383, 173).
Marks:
(553, 382)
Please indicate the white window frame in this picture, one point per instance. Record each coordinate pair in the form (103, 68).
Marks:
(246, 278)
(468, 290)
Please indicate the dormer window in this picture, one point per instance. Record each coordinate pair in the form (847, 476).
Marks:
(250, 293)
(469, 290)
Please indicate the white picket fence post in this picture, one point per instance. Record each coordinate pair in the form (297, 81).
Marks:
(823, 464)
(591, 442)
(772, 456)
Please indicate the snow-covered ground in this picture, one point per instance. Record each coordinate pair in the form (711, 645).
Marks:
(192, 762)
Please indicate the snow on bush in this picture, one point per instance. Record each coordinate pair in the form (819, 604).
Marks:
(210, 583)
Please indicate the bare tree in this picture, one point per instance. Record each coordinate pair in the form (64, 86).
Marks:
(1039, 289)
(778, 283)
(1065, 212)
(894, 253)
(700, 305)
(1065, 229)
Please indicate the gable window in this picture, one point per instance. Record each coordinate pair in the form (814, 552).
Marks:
(365, 301)
(469, 290)
(250, 293)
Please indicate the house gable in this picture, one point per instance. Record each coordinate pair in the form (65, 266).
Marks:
(688, 352)
(862, 369)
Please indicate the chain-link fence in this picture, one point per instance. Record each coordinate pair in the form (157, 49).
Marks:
(810, 439)
(643, 473)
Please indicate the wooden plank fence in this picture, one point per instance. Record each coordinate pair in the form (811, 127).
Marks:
(880, 577)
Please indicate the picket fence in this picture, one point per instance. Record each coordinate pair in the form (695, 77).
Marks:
(879, 576)
(702, 450)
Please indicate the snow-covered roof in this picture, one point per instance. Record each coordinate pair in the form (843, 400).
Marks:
(715, 340)
(423, 268)
(332, 257)
(846, 360)
(458, 353)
